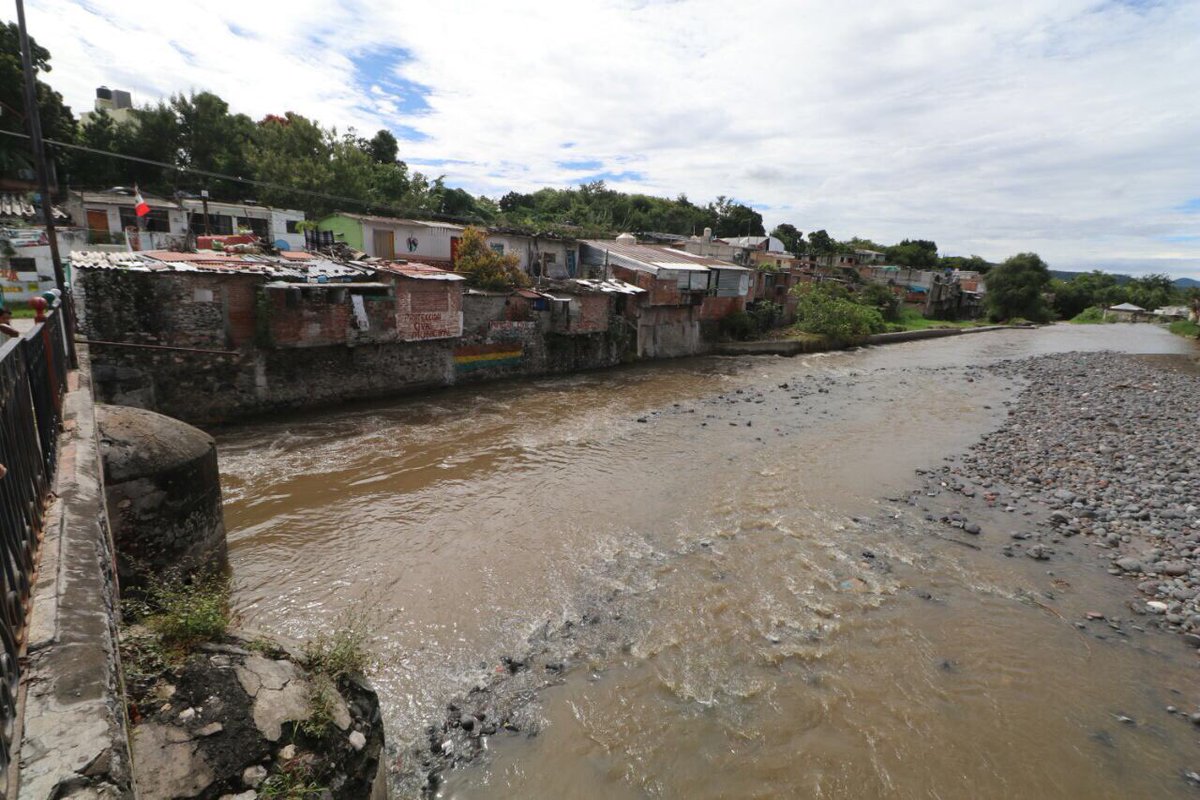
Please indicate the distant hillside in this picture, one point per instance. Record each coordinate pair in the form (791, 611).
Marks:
(1066, 275)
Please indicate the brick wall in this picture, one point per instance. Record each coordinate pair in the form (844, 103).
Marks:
(716, 308)
(428, 309)
(305, 318)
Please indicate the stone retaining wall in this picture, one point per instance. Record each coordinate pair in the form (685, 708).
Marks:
(200, 387)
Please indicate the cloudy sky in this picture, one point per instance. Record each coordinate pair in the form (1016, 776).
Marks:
(1066, 127)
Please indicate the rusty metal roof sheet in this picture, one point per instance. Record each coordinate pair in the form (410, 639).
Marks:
(421, 272)
(226, 263)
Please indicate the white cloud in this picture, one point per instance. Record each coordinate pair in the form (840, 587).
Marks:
(1065, 127)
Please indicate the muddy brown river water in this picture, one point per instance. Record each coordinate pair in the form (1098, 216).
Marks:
(764, 655)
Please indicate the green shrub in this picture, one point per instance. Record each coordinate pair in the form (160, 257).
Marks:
(882, 299)
(765, 315)
(738, 325)
(183, 612)
(1089, 316)
(827, 310)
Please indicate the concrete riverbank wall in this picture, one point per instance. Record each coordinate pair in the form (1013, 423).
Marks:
(74, 742)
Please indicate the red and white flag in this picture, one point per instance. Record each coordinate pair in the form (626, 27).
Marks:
(140, 206)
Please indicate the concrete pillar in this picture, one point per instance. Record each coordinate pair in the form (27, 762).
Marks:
(164, 494)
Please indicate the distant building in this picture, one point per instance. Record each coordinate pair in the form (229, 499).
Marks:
(683, 291)
(1126, 312)
(539, 255)
(117, 102)
(109, 218)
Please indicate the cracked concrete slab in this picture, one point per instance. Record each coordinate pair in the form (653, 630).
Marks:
(280, 692)
(169, 762)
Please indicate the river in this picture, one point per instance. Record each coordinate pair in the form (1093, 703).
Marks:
(765, 653)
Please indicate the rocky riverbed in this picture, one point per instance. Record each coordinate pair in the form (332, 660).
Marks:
(1103, 447)
(1093, 464)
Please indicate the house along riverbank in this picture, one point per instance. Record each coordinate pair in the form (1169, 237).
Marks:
(750, 593)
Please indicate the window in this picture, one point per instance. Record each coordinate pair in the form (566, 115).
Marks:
(498, 248)
(259, 227)
(291, 225)
(22, 264)
(221, 224)
(154, 222)
(548, 258)
(202, 295)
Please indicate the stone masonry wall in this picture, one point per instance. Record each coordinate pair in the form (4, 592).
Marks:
(206, 388)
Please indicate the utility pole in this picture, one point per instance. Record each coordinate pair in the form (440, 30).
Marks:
(39, 159)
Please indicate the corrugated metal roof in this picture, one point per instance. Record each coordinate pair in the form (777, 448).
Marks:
(708, 261)
(420, 223)
(13, 205)
(227, 263)
(122, 199)
(421, 272)
(610, 286)
(654, 257)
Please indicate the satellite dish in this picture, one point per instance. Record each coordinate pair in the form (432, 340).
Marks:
(281, 244)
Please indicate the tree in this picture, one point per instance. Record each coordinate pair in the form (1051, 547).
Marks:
(882, 299)
(792, 238)
(914, 253)
(484, 267)
(826, 309)
(292, 152)
(735, 219)
(1152, 291)
(821, 243)
(859, 243)
(211, 139)
(99, 133)
(1085, 291)
(1015, 289)
(57, 120)
(972, 264)
(152, 134)
(383, 147)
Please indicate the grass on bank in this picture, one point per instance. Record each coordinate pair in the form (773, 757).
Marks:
(1184, 328)
(912, 320)
(1090, 316)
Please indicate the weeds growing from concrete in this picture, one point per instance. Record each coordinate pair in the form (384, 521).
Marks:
(183, 613)
(346, 650)
(294, 781)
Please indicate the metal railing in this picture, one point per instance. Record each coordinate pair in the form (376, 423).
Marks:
(33, 382)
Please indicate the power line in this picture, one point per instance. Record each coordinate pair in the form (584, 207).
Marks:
(235, 178)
